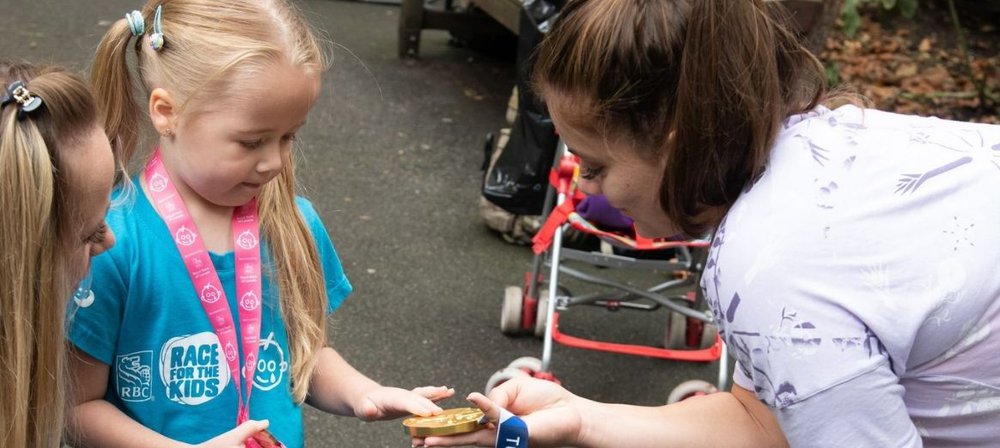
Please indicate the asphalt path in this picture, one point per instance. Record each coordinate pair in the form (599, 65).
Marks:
(390, 156)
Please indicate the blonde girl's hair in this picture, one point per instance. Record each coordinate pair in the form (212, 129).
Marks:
(211, 47)
(704, 84)
(39, 233)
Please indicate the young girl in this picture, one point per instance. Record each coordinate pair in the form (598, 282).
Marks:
(211, 310)
(853, 268)
(56, 171)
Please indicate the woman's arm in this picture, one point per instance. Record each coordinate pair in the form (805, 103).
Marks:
(736, 419)
(556, 417)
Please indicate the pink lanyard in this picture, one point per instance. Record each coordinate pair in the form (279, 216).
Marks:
(206, 281)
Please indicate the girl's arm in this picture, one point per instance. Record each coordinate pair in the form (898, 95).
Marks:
(337, 387)
(94, 421)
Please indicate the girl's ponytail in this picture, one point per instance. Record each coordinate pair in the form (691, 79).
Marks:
(741, 74)
(113, 87)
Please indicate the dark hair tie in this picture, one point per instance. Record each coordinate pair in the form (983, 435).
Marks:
(17, 93)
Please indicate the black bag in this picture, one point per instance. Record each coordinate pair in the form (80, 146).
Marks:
(518, 179)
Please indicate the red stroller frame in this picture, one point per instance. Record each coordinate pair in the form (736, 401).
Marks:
(525, 310)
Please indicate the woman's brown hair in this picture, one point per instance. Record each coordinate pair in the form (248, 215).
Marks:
(703, 83)
(38, 230)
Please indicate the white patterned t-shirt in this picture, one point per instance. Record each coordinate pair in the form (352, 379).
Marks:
(857, 282)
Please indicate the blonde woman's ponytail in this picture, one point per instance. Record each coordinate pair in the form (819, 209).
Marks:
(39, 234)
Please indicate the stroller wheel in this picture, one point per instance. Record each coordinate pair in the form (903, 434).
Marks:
(690, 388)
(709, 333)
(675, 337)
(530, 364)
(510, 314)
(542, 316)
(502, 376)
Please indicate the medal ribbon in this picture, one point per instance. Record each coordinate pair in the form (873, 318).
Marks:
(512, 432)
(246, 238)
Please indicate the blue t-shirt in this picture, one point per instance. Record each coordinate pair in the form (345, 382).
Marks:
(166, 369)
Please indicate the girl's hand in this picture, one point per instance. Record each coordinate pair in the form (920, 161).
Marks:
(385, 403)
(551, 413)
(236, 437)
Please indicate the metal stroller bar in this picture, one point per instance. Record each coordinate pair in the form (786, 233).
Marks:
(601, 295)
(704, 317)
(553, 277)
(621, 262)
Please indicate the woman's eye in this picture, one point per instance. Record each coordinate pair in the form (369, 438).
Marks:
(252, 144)
(98, 236)
(590, 172)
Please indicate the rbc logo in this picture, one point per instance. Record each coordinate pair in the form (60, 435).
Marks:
(133, 378)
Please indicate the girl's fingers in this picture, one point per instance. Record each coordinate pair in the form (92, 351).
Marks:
(249, 428)
(435, 393)
(422, 406)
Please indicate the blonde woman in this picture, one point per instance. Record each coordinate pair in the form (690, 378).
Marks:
(56, 171)
(211, 311)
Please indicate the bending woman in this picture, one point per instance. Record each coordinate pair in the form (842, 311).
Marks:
(853, 268)
(56, 170)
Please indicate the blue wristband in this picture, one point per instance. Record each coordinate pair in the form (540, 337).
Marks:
(511, 431)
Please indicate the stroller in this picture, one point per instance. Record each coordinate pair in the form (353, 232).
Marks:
(535, 307)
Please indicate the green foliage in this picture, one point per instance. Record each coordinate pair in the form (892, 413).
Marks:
(832, 73)
(852, 20)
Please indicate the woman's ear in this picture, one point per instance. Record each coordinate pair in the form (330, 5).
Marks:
(161, 111)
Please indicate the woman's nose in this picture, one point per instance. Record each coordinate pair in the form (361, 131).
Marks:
(107, 243)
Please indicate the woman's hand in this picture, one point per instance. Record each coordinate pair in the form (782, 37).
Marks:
(551, 412)
(384, 403)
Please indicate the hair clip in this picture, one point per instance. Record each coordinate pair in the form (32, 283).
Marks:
(135, 23)
(16, 92)
(156, 39)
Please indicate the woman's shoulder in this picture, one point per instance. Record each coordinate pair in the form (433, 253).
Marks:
(859, 119)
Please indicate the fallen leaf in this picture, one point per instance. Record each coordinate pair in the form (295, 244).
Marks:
(925, 45)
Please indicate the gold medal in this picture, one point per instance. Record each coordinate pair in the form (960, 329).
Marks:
(449, 422)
